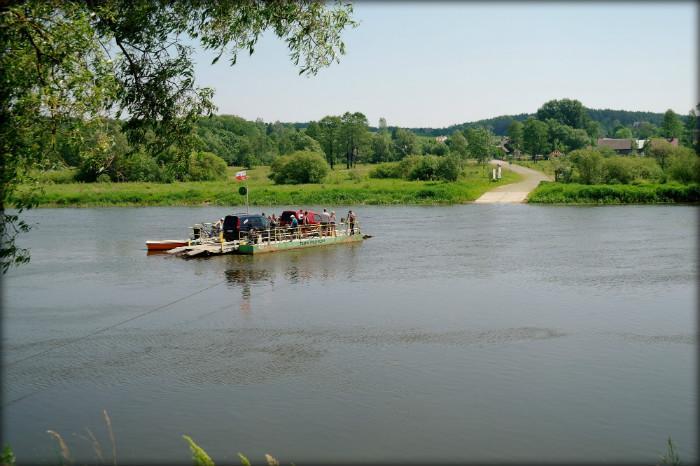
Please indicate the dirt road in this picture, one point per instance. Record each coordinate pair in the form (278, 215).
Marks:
(515, 192)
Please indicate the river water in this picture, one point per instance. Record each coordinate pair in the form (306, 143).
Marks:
(464, 333)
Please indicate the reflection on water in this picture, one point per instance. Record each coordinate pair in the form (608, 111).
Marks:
(517, 327)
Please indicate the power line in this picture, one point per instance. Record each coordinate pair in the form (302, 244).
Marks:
(104, 329)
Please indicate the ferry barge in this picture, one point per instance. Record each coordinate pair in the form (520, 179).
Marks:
(235, 235)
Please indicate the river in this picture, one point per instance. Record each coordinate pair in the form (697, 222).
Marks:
(463, 333)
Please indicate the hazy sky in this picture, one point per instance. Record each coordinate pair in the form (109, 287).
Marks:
(437, 64)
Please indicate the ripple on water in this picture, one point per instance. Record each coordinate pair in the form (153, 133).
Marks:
(223, 356)
(686, 339)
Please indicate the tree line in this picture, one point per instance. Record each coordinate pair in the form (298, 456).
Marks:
(103, 150)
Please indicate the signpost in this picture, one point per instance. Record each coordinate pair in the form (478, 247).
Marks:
(243, 190)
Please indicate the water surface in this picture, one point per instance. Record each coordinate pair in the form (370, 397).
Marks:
(465, 333)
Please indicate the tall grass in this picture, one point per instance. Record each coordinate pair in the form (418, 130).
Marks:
(560, 193)
(201, 458)
(670, 458)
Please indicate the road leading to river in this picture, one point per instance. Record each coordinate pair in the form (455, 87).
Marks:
(515, 192)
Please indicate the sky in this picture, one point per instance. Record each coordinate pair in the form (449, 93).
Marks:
(437, 64)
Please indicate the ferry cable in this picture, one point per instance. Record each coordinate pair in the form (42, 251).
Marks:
(104, 329)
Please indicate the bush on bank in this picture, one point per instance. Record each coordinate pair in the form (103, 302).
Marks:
(420, 168)
(299, 168)
(559, 193)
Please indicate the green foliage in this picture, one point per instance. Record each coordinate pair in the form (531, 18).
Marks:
(458, 145)
(57, 74)
(565, 138)
(405, 143)
(199, 456)
(329, 138)
(624, 170)
(382, 149)
(299, 168)
(244, 460)
(684, 166)
(690, 135)
(565, 111)
(336, 189)
(623, 133)
(354, 137)
(480, 143)
(205, 166)
(386, 170)
(61, 176)
(407, 164)
(662, 151)
(237, 141)
(7, 456)
(424, 169)
(137, 166)
(535, 137)
(515, 134)
(618, 170)
(670, 458)
(560, 193)
(448, 168)
(588, 164)
(672, 127)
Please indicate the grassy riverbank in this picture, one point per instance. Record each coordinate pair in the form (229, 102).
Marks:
(342, 186)
(570, 193)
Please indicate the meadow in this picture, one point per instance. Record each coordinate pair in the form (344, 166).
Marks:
(341, 186)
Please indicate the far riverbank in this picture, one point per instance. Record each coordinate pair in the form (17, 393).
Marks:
(342, 186)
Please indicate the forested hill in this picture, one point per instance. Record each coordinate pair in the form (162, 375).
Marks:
(608, 119)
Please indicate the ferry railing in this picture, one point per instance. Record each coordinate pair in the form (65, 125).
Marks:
(287, 233)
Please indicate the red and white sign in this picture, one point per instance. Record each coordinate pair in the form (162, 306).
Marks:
(240, 176)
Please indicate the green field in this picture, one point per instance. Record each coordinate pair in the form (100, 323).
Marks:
(565, 193)
(341, 186)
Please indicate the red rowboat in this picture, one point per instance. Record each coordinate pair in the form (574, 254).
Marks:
(164, 245)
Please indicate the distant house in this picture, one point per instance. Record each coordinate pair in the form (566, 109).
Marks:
(441, 138)
(640, 144)
(555, 154)
(620, 146)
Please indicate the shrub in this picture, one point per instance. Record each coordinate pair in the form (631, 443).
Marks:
(407, 164)
(684, 166)
(588, 164)
(103, 178)
(425, 169)
(448, 168)
(354, 175)
(386, 170)
(299, 167)
(137, 166)
(645, 168)
(60, 176)
(205, 166)
(618, 170)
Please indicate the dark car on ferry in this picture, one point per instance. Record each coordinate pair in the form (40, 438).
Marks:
(238, 226)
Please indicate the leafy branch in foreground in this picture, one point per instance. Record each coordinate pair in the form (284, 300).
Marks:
(65, 65)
